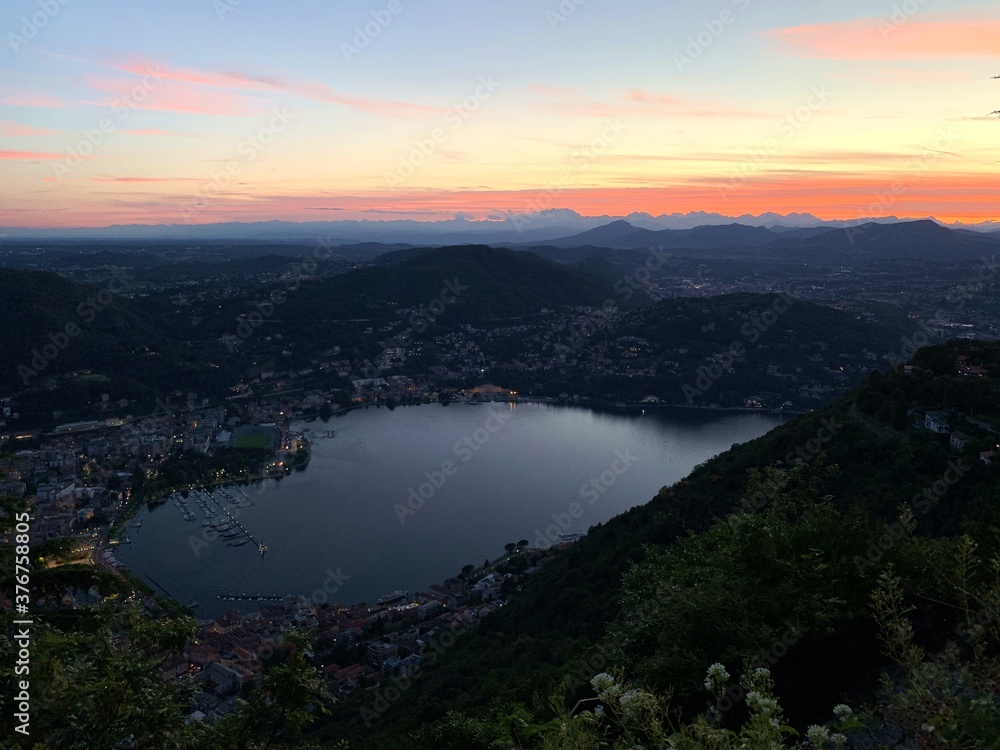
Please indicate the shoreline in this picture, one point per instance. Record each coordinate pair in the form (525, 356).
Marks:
(313, 418)
(556, 401)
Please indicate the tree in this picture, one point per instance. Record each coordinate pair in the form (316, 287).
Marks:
(509, 546)
(287, 699)
(101, 679)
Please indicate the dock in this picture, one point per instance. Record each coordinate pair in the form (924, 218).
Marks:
(261, 547)
(256, 597)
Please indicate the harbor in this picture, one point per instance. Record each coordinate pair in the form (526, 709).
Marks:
(228, 528)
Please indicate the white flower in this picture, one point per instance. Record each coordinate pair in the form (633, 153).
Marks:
(762, 673)
(602, 682)
(633, 702)
(842, 711)
(717, 678)
(838, 740)
(599, 710)
(818, 735)
(761, 703)
(718, 672)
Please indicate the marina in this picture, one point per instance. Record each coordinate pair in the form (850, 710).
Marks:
(256, 597)
(220, 522)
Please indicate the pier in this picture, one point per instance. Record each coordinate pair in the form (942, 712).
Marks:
(155, 583)
(256, 597)
(261, 547)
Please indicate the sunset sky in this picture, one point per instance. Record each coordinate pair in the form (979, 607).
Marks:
(196, 111)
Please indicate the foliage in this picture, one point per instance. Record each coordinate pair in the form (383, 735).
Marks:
(750, 581)
(191, 468)
(99, 683)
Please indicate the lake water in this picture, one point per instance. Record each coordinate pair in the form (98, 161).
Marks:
(403, 498)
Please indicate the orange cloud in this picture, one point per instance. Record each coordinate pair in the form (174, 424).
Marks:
(144, 179)
(638, 95)
(892, 38)
(949, 197)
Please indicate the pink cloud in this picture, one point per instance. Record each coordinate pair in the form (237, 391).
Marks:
(632, 103)
(638, 95)
(11, 129)
(167, 97)
(158, 132)
(29, 155)
(42, 101)
(235, 80)
(889, 38)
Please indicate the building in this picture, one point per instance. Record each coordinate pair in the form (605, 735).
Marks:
(379, 653)
(489, 390)
(936, 421)
(225, 679)
(959, 440)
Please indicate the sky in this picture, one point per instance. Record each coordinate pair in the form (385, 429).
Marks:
(199, 111)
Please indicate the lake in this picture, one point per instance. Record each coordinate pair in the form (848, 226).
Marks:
(403, 498)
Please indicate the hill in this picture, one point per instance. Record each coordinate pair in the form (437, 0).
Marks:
(63, 345)
(622, 235)
(921, 240)
(761, 350)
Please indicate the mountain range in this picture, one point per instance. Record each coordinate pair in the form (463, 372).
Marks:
(501, 228)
